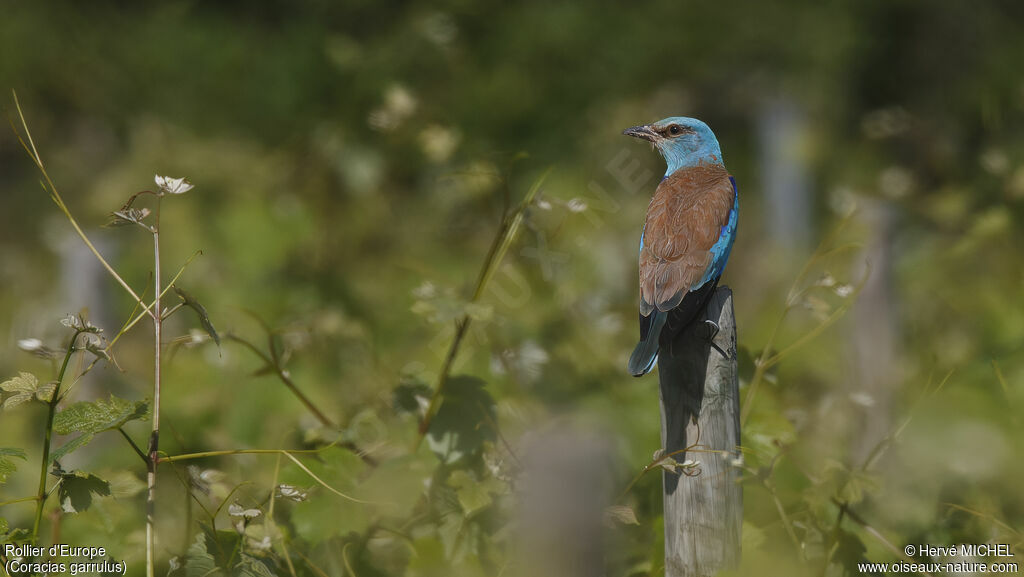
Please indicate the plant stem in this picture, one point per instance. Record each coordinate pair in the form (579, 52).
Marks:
(281, 374)
(154, 439)
(495, 254)
(30, 148)
(205, 454)
(21, 500)
(45, 464)
(273, 360)
(135, 447)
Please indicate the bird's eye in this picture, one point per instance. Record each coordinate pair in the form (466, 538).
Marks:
(674, 129)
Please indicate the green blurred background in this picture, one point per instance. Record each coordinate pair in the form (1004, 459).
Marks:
(352, 161)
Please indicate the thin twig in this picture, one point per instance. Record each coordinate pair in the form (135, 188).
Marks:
(154, 438)
(766, 359)
(30, 148)
(135, 447)
(205, 454)
(874, 533)
(21, 500)
(273, 361)
(44, 466)
(495, 254)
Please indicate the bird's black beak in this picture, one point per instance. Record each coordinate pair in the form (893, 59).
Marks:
(645, 132)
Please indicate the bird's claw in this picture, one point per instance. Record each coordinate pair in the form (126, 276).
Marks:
(713, 330)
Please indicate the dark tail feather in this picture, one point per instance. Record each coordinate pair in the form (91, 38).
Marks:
(687, 312)
(646, 351)
(662, 327)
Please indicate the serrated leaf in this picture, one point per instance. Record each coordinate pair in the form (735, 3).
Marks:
(463, 423)
(411, 397)
(473, 495)
(45, 392)
(98, 416)
(77, 489)
(7, 464)
(199, 562)
(21, 389)
(250, 566)
(325, 514)
(71, 446)
(128, 216)
(204, 318)
(12, 452)
(7, 467)
(620, 514)
(221, 545)
(3, 527)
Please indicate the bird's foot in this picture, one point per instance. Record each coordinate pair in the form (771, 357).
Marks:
(713, 330)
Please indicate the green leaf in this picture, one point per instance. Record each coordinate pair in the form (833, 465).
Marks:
(473, 495)
(71, 446)
(753, 537)
(98, 416)
(252, 567)
(77, 489)
(262, 536)
(124, 484)
(849, 486)
(463, 423)
(198, 561)
(620, 514)
(3, 527)
(221, 545)
(849, 551)
(324, 514)
(7, 465)
(410, 397)
(204, 318)
(24, 388)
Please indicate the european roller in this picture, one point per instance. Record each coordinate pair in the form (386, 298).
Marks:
(688, 233)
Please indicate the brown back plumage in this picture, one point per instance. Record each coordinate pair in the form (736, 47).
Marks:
(684, 220)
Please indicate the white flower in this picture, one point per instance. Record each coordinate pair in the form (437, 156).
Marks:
(577, 205)
(30, 345)
(236, 510)
(168, 185)
(843, 290)
(291, 492)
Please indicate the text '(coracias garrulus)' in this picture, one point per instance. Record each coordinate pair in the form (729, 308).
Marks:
(689, 231)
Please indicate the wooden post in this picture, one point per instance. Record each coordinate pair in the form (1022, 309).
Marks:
(700, 404)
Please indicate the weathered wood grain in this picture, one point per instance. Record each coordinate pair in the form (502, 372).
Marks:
(700, 405)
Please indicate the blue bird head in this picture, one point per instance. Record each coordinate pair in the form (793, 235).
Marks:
(682, 141)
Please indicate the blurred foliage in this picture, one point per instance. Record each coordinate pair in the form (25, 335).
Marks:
(352, 162)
